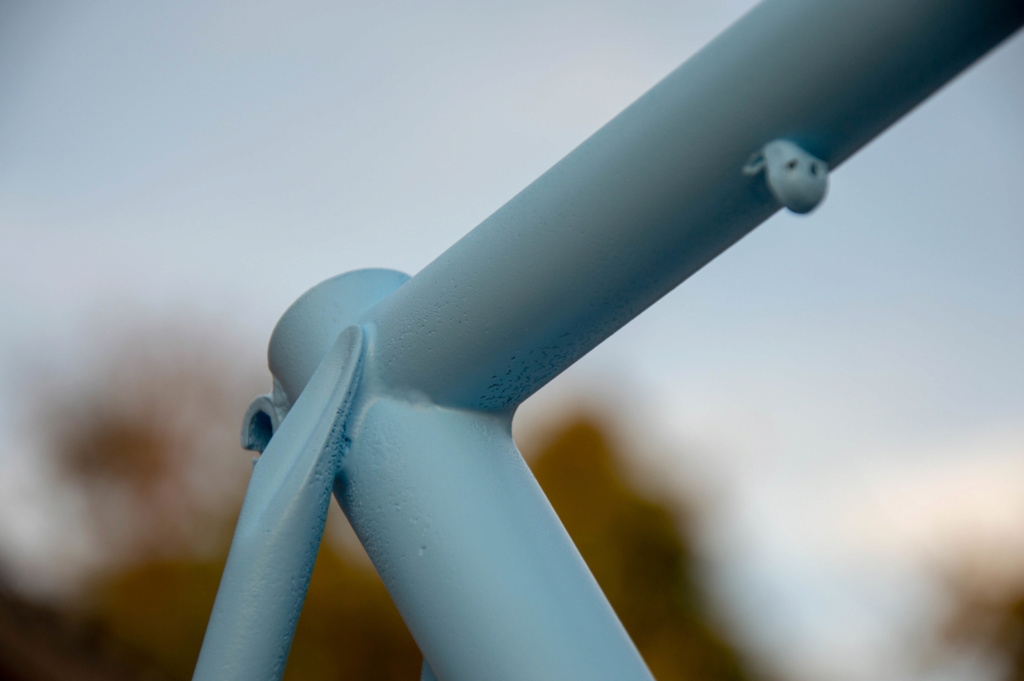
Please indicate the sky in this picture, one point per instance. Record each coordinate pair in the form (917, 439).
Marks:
(844, 390)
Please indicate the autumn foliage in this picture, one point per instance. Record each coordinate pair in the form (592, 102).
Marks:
(162, 506)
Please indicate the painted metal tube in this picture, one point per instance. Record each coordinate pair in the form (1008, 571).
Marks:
(280, 527)
(658, 192)
(469, 548)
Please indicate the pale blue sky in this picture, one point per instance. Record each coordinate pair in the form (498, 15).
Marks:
(823, 381)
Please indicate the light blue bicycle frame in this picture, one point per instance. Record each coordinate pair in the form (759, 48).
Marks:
(398, 393)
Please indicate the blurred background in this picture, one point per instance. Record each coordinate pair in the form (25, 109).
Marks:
(809, 458)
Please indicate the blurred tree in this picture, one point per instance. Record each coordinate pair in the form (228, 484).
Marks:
(41, 643)
(639, 554)
(988, 619)
(145, 440)
(146, 445)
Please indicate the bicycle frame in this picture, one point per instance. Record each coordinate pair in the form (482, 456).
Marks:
(398, 393)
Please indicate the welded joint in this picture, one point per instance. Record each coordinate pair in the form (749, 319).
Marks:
(304, 336)
(797, 179)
